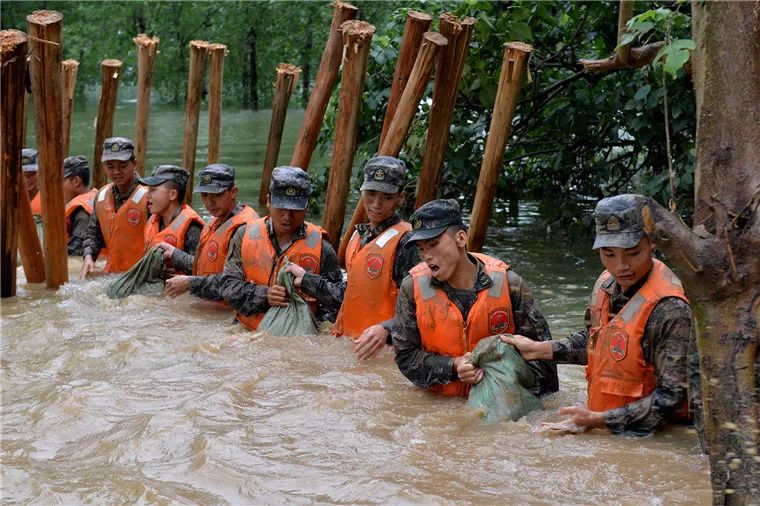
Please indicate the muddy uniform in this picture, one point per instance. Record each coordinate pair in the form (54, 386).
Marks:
(94, 241)
(192, 238)
(426, 369)
(80, 222)
(666, 345)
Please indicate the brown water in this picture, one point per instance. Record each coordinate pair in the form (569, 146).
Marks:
(153, 400)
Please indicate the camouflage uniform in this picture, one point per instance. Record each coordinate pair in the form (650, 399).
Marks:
(77, 166)
(426, 369)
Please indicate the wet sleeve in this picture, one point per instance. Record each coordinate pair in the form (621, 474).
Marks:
(573, 349)
(329, 269)
(329, 294)
(406, 258)
(207, 287)
(244, 296)
(80, 221)
(94, 241)
(530, 322)
(668, 329)
(182, 261)
(192, 238)
(422, 368)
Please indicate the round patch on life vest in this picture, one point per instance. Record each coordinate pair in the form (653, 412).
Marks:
(308, 262)
(498, 320)
(213, 250)
(133, 217)
(618, 343)
(170, 239)
(374, 265)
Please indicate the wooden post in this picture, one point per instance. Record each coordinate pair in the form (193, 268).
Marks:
(287, 75)
(447, 77)
(198, 50)
(624, 15)
(110, 70)
(44, 28)
(29, 246)
(12, 71)
(147, 48)
(417, 23)
(323, 86)
(69, 85)
(216, 66)
(429, 50)
(357, 39)
(515, 57)
(402, 119)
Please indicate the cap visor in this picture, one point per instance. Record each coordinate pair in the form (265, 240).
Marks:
(209, 189)
(380, 187)
(424, 235)
(118, 155)
(623, 240)
(292, 203)
(152, 181)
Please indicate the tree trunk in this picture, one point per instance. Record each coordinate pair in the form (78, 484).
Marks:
(718, 259)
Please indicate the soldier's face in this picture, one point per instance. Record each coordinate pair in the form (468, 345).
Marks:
(120, 172)
(285, 221)
(31, 182)
(380, 206)
(220, 205)
(442, 254)
(70, 187)
(160, 198)
(628, 265)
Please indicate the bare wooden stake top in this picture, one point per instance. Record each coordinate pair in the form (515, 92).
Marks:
(198, 44)
(356, 28)
(519, 46)
(434, 38)
(214, 46)
(419, 16)
(9, 40)
(44, 17)
(110, 62)
(144, 40)
(344, 6)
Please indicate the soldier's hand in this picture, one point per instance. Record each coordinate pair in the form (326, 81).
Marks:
(580, 417)
(466, 371)
(177, 285)
(88, 267)
(370, 342)
(167, 249)
(297, 271)
(528, 348)
(277, 295)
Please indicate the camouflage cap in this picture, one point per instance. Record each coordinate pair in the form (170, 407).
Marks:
(618, 221)
(290, 188)
(29, 160)
(118, 148)
(433, 218)
(163, 173)
(76, 166)
(215, 178)
(384, 174)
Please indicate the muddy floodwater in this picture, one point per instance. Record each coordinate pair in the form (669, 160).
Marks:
(160, 401)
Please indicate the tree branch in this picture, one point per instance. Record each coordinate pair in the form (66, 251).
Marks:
(639, 57)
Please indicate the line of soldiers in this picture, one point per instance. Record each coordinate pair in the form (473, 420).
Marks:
(410, 285)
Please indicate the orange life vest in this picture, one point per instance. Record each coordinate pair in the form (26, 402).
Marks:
(215, 242)
(123, 229)
(85, 201)
(36, 204)
(442, 329)
(370, 296)
(174, 232)
(261, 264)
(617, 372)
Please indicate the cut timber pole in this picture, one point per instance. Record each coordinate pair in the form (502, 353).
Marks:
(198, 50)
(12, 71)
(447, 77)
(111, 70)
(29, 246)
(147, 48)
(323, 86)
(69, 85)
(417, 23)
(402, 119)
(287, 76)
(510, 80)
(216, 67)
(624, 15)
(44, 28)
(357, 39)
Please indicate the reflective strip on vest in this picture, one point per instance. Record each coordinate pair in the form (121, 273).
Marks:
(102, 193)
(313, 238)
(497, 277)
(385, 237)
(426, 289)
(139, 195)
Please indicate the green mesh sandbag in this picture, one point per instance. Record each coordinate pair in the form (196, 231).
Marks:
(146, 276)
(295, 319)
(507, 377)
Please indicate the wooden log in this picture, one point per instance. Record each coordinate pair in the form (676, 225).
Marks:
(417, 23)
(357, 39)
(147, 48)
(287, 76)
(44, 28)
(510, 80)
(29, 247)
(110, 72)
(198, 50)
(430, 48)
(323, 86)
(69, 85)
(12, 72)
(447, 76)
(216, 67)
(624, 15)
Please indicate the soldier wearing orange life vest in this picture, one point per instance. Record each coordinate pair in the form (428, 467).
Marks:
(376, 262)
(80, 201)
(638, 344)
(31, 180)
(258, 250)
(120, 213)
(452, 300)
(219, 194)
(173, 225)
